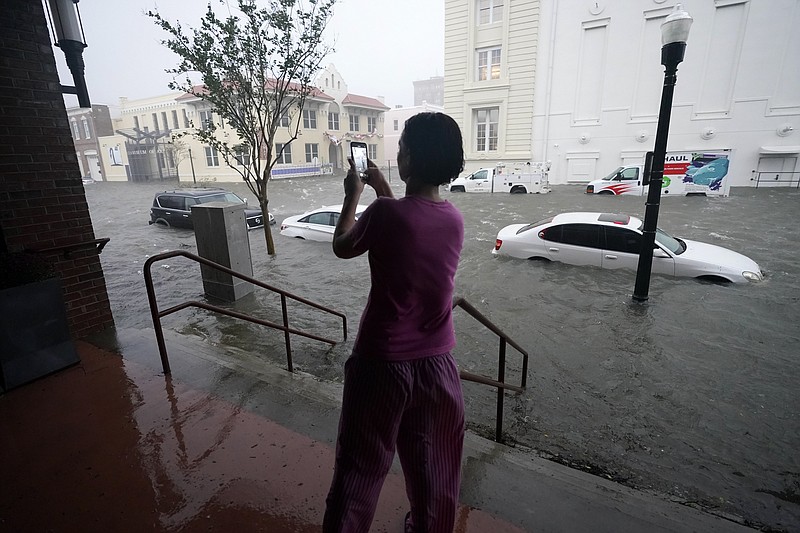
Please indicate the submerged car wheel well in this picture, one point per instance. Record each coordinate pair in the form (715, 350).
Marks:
(161, 222)
(606, 192)
(457, 188)
(518, 189)
(538, 258)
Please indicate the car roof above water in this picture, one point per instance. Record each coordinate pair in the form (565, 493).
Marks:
(604, 219)
(198, 191)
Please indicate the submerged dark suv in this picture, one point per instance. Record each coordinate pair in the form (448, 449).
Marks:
(174, 208)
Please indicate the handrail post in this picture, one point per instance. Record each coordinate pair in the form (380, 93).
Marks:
(286, 335)
(524, 370)
(501, 377)
(151, 297)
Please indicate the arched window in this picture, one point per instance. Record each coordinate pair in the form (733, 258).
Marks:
(76, 133)
(87, 132)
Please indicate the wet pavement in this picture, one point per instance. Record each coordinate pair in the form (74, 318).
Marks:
(112, 444)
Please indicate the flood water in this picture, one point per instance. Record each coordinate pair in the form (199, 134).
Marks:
(693, 395)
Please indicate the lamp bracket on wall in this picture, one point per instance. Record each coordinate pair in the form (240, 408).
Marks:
(65, 21)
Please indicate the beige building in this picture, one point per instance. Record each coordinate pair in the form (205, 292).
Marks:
(143, 146)
(490, 66)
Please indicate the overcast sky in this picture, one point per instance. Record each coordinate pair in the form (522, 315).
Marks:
(381, 46)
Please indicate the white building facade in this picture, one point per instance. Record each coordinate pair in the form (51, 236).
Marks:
(596, 89)
(395, 121)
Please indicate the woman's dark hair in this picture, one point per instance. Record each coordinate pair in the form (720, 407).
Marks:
(432, 143)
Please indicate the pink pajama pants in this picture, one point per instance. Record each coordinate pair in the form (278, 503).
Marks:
(416, 407)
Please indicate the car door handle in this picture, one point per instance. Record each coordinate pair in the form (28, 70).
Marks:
(553, 249)
(609, 256)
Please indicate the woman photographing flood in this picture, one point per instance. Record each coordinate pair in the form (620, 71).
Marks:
(402, 390)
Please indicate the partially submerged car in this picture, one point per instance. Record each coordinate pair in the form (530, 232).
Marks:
(609, 240)
(316, 225)
(174, 208)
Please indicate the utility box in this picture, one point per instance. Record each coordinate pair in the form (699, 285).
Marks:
(221, 234)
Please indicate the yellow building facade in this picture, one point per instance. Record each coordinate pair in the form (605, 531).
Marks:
(152, 137)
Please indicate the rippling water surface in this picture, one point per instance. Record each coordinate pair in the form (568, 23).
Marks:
(693, 395)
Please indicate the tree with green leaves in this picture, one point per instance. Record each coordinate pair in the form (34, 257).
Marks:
(255, 67)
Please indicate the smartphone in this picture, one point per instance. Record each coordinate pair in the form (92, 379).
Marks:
(358, 151)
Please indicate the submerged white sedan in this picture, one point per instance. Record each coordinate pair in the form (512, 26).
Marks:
(316, 225)
(608, 240)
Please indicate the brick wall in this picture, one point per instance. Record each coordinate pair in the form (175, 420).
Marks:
(42, 201)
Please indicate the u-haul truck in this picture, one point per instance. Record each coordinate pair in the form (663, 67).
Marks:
(685, 173)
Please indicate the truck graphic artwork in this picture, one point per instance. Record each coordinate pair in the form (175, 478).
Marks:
(709, 174)
(685, 173)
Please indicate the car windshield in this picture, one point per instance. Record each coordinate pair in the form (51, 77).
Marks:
(613, 174)
(673, 244)
(220, 197)
(523, 229)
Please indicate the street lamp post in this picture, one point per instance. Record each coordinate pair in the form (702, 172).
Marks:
(191, 162)
(674, 33)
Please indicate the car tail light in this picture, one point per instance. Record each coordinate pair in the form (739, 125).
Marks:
(497, 244)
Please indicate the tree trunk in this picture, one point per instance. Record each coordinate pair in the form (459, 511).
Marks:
(268, 231)
(263, 200)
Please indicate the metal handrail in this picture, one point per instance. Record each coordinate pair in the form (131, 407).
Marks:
(499, 383)
(793, 176)
(157, 315)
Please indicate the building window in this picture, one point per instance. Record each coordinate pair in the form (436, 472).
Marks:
(372, 151)
(212, 157)
(353, 122)
(136, 122)
(284, 152)
(175, 125)
(284, 122)
(486, 122)
(76, 133)
(164, 120)
(242, 155)
(87, 132)
(309, 119)
(333, 121)
(155, 121)
(206, 119)
(372, 124)
(185, 119)
(489, 64)
(396, 124)
(490, 11)
(312, 152)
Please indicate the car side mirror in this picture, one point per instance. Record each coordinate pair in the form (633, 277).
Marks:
(658, 252)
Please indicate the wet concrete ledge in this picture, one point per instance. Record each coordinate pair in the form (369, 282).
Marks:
(114, 445)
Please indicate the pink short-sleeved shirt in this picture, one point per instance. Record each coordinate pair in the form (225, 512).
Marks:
(413, 246)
